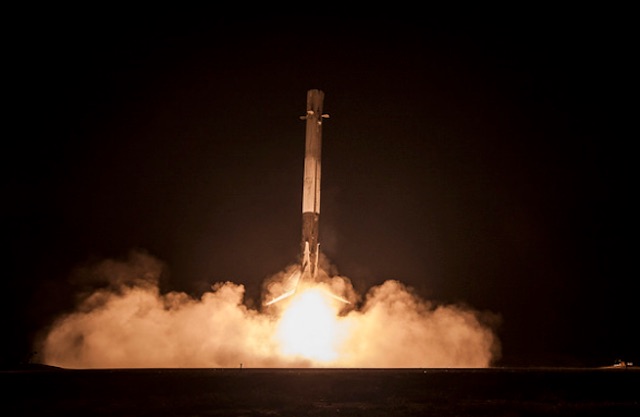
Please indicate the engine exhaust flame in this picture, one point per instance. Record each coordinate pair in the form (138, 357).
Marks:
(309, 327)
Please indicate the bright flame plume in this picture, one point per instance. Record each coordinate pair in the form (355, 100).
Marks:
(310, 327)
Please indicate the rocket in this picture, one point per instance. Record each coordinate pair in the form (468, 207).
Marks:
(310, 246)
(311, 184)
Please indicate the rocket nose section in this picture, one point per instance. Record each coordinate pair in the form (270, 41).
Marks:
(314, 101)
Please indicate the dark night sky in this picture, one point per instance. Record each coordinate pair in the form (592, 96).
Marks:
(480, 161)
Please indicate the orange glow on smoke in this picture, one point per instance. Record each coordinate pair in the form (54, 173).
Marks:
(310, 327)
(132, 324)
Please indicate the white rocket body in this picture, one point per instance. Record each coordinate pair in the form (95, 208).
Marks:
(311, 183)
(310, 246)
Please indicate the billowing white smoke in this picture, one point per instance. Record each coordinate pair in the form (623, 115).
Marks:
(128, 323)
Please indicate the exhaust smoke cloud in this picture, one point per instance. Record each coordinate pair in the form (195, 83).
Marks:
(129, 323)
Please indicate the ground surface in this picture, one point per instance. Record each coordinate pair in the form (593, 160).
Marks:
(321, 392)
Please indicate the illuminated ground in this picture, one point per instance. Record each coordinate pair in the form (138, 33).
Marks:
(318, 392)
